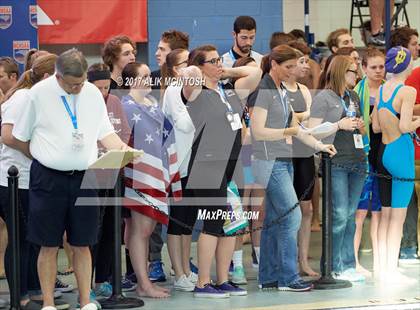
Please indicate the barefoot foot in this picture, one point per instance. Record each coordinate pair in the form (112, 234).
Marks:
(160, 288)
(305, 270)
(151, 292)
(315, 227)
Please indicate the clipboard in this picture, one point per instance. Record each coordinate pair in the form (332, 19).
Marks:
(116, 159)
(320, 130)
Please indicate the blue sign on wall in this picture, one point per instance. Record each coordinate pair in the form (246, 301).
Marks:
(18, 29)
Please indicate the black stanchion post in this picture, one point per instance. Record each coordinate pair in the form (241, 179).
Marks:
(327, 282)
(306, 8)
(13, 185)
(118, 300)
(309, 35)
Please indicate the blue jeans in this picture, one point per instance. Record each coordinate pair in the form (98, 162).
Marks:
(346, 189)
(278, 254)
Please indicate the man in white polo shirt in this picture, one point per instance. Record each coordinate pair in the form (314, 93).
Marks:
(244, 30)
(63, 121)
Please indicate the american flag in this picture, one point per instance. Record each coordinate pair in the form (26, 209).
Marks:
(156, 175)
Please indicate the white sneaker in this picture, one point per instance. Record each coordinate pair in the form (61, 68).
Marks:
(411, 259)
(183, 284)
(349, 275)
(49, 308)
(89, 306)
(193, 277)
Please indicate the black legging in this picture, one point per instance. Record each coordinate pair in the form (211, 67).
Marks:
(102, 253)
(29, 252)
(304, 173)
(186, 214)
(213, 173)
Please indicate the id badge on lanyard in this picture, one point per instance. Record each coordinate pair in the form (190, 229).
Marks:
(76, 136)
(358, 140)
(77, 141)
(233, 118)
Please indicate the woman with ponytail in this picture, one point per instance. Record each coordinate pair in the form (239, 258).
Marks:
(16, 98)
(273, 125)
(174, 94)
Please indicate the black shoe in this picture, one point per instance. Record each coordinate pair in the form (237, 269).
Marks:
(62, 287)
(298, 286)
(268, 286)
(254, 259)
(377, 39)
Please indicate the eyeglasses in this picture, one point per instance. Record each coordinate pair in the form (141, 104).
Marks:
(72, 85)
(354, 71)
(214, 61)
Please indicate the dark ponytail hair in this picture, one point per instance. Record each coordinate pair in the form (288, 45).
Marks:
(324, 78)
(279, 54)
(130, 73)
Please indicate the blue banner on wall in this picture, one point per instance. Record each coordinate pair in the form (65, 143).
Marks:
(18, 29)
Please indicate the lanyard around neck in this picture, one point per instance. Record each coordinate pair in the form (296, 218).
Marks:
(284, 102)
(343, 102)
(224, 98)
(73, 117)
(233, 56)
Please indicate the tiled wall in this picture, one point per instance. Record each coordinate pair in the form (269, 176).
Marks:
(211, 21)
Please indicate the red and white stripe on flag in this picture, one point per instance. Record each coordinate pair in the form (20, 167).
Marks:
(81, 21)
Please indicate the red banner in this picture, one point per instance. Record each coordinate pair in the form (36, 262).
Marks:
(93, 21)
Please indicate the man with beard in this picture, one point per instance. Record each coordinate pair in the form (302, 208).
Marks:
(244, 29)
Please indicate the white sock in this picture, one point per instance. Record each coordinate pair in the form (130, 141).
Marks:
(237, 259)
(257, 253)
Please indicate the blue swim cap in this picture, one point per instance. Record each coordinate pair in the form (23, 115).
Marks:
(397, 59)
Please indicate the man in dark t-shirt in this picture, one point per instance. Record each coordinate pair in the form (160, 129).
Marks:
(244, 30)
(170, 40)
